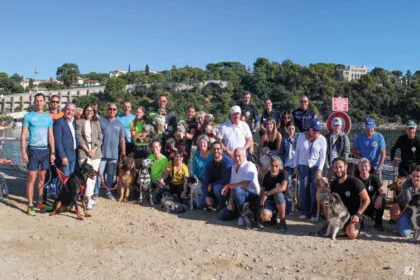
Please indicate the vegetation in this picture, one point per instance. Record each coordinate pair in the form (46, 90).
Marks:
(388, 96)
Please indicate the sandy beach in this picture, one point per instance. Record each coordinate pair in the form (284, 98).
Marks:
(127, 241)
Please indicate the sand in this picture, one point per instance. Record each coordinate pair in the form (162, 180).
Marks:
(128, 240)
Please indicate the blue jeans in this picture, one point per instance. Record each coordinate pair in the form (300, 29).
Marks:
(307, 190)
(69, 169)
(404, 223)
(217, 190)
(106, 167)
(240, 197)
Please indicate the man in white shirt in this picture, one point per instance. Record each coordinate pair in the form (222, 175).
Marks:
(243, 186)
(235, 133)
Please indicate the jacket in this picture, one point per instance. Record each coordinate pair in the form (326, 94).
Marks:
(342, 144)
(96, 138)
(63, 138)
(227, 164)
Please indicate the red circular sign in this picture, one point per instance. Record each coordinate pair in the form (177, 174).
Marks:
(345, 121)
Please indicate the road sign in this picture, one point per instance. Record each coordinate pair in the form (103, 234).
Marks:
(345, 121)
(340, 104)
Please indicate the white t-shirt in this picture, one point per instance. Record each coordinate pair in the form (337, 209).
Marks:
(311, 153)
(234, 136)
(247, 172)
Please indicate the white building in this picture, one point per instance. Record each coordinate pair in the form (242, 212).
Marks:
(352, 72)
(117, 72)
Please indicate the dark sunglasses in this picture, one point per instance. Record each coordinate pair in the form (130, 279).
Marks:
(54, 101)
(112, 109)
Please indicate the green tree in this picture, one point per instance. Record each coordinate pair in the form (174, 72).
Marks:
(68, 73)
(16, 78)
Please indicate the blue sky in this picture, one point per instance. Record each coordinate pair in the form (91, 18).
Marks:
(104, 35)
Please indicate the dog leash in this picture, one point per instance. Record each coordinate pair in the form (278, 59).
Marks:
(103, 182)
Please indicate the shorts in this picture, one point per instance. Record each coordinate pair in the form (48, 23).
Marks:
(38, 158)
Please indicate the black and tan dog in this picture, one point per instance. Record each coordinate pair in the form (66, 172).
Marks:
(126, 174)
(74, 187)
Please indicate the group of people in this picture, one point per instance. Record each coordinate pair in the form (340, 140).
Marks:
(224, 162)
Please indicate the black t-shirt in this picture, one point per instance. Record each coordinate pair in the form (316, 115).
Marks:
(270, 182)
(349, 192)
(372, 184)
(252, 111)
(217, 171)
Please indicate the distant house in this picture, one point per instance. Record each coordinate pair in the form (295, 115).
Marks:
(24, 83)
(150, 71)
(117, 72)
(351, 73)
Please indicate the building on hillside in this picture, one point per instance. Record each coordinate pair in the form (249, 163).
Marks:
(351, 73)
(24, 83)
(117, 72)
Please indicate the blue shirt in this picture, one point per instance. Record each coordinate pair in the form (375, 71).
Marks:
(112, 132)
(126, 120)
(38, 125)
(370, 148)
(199, 164)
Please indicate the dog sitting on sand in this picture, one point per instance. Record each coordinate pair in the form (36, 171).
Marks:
(125, 177)
(338, 216)
(415, 218)
(144, 181)
(322, 191)
(4, 190)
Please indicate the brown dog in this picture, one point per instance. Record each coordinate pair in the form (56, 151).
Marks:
(322, 192)
(125, 177)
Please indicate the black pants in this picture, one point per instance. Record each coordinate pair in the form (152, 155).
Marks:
(374, 213)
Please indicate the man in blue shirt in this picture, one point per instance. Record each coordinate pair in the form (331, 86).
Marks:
(113, 137)
(37, 155)
(370, 145)
(126, 118)
(303, 115)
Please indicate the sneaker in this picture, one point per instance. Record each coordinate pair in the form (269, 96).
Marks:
(31, 211)
(44, 207)
(314, 219)
(95, 196)
(379, 227)
(90, 204)
(283, 225)
(260, 226)
(110, 196)
(241, 222)
(302, 217)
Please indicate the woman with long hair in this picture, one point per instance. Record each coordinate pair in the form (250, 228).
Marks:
(140, 135)
(89, 133)
(285, 118)
(271, 138)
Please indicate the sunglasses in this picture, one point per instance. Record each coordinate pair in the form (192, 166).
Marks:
(112, 109)
(302, 101)
(55, 101)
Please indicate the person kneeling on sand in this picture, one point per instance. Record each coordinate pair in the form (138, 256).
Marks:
(273, 193)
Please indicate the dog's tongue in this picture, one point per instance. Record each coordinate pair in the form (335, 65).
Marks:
(127, 172)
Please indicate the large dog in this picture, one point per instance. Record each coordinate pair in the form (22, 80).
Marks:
(415, 218)
(125, 177)
(4, 190)
(263, 163)
(144, 181)
(248, 215)
(322, 191)
(72, 189)
(338, 216)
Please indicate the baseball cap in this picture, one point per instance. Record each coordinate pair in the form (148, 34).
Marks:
(336, 121)
(235, 109)
(410, 123)
(315, 124)
(370, 123)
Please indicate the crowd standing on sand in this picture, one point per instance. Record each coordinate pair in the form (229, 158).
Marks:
(293, 167)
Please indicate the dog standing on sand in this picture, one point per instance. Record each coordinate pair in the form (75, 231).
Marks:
(338, 216)
(322, 192)
(125, 177)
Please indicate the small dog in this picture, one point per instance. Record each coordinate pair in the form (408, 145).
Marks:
(322, 191)
(4, 189)
(125, 177)
(169, 205)
(74, 187)
(160, 121)
(415, 218)
(144, 181)
(338, 216)
(195, 191)
(396, 185)
(248, 215)
(209, 128)
(293, 192)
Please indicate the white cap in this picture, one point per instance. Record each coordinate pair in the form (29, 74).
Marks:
(235, 109)
(336, 121)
